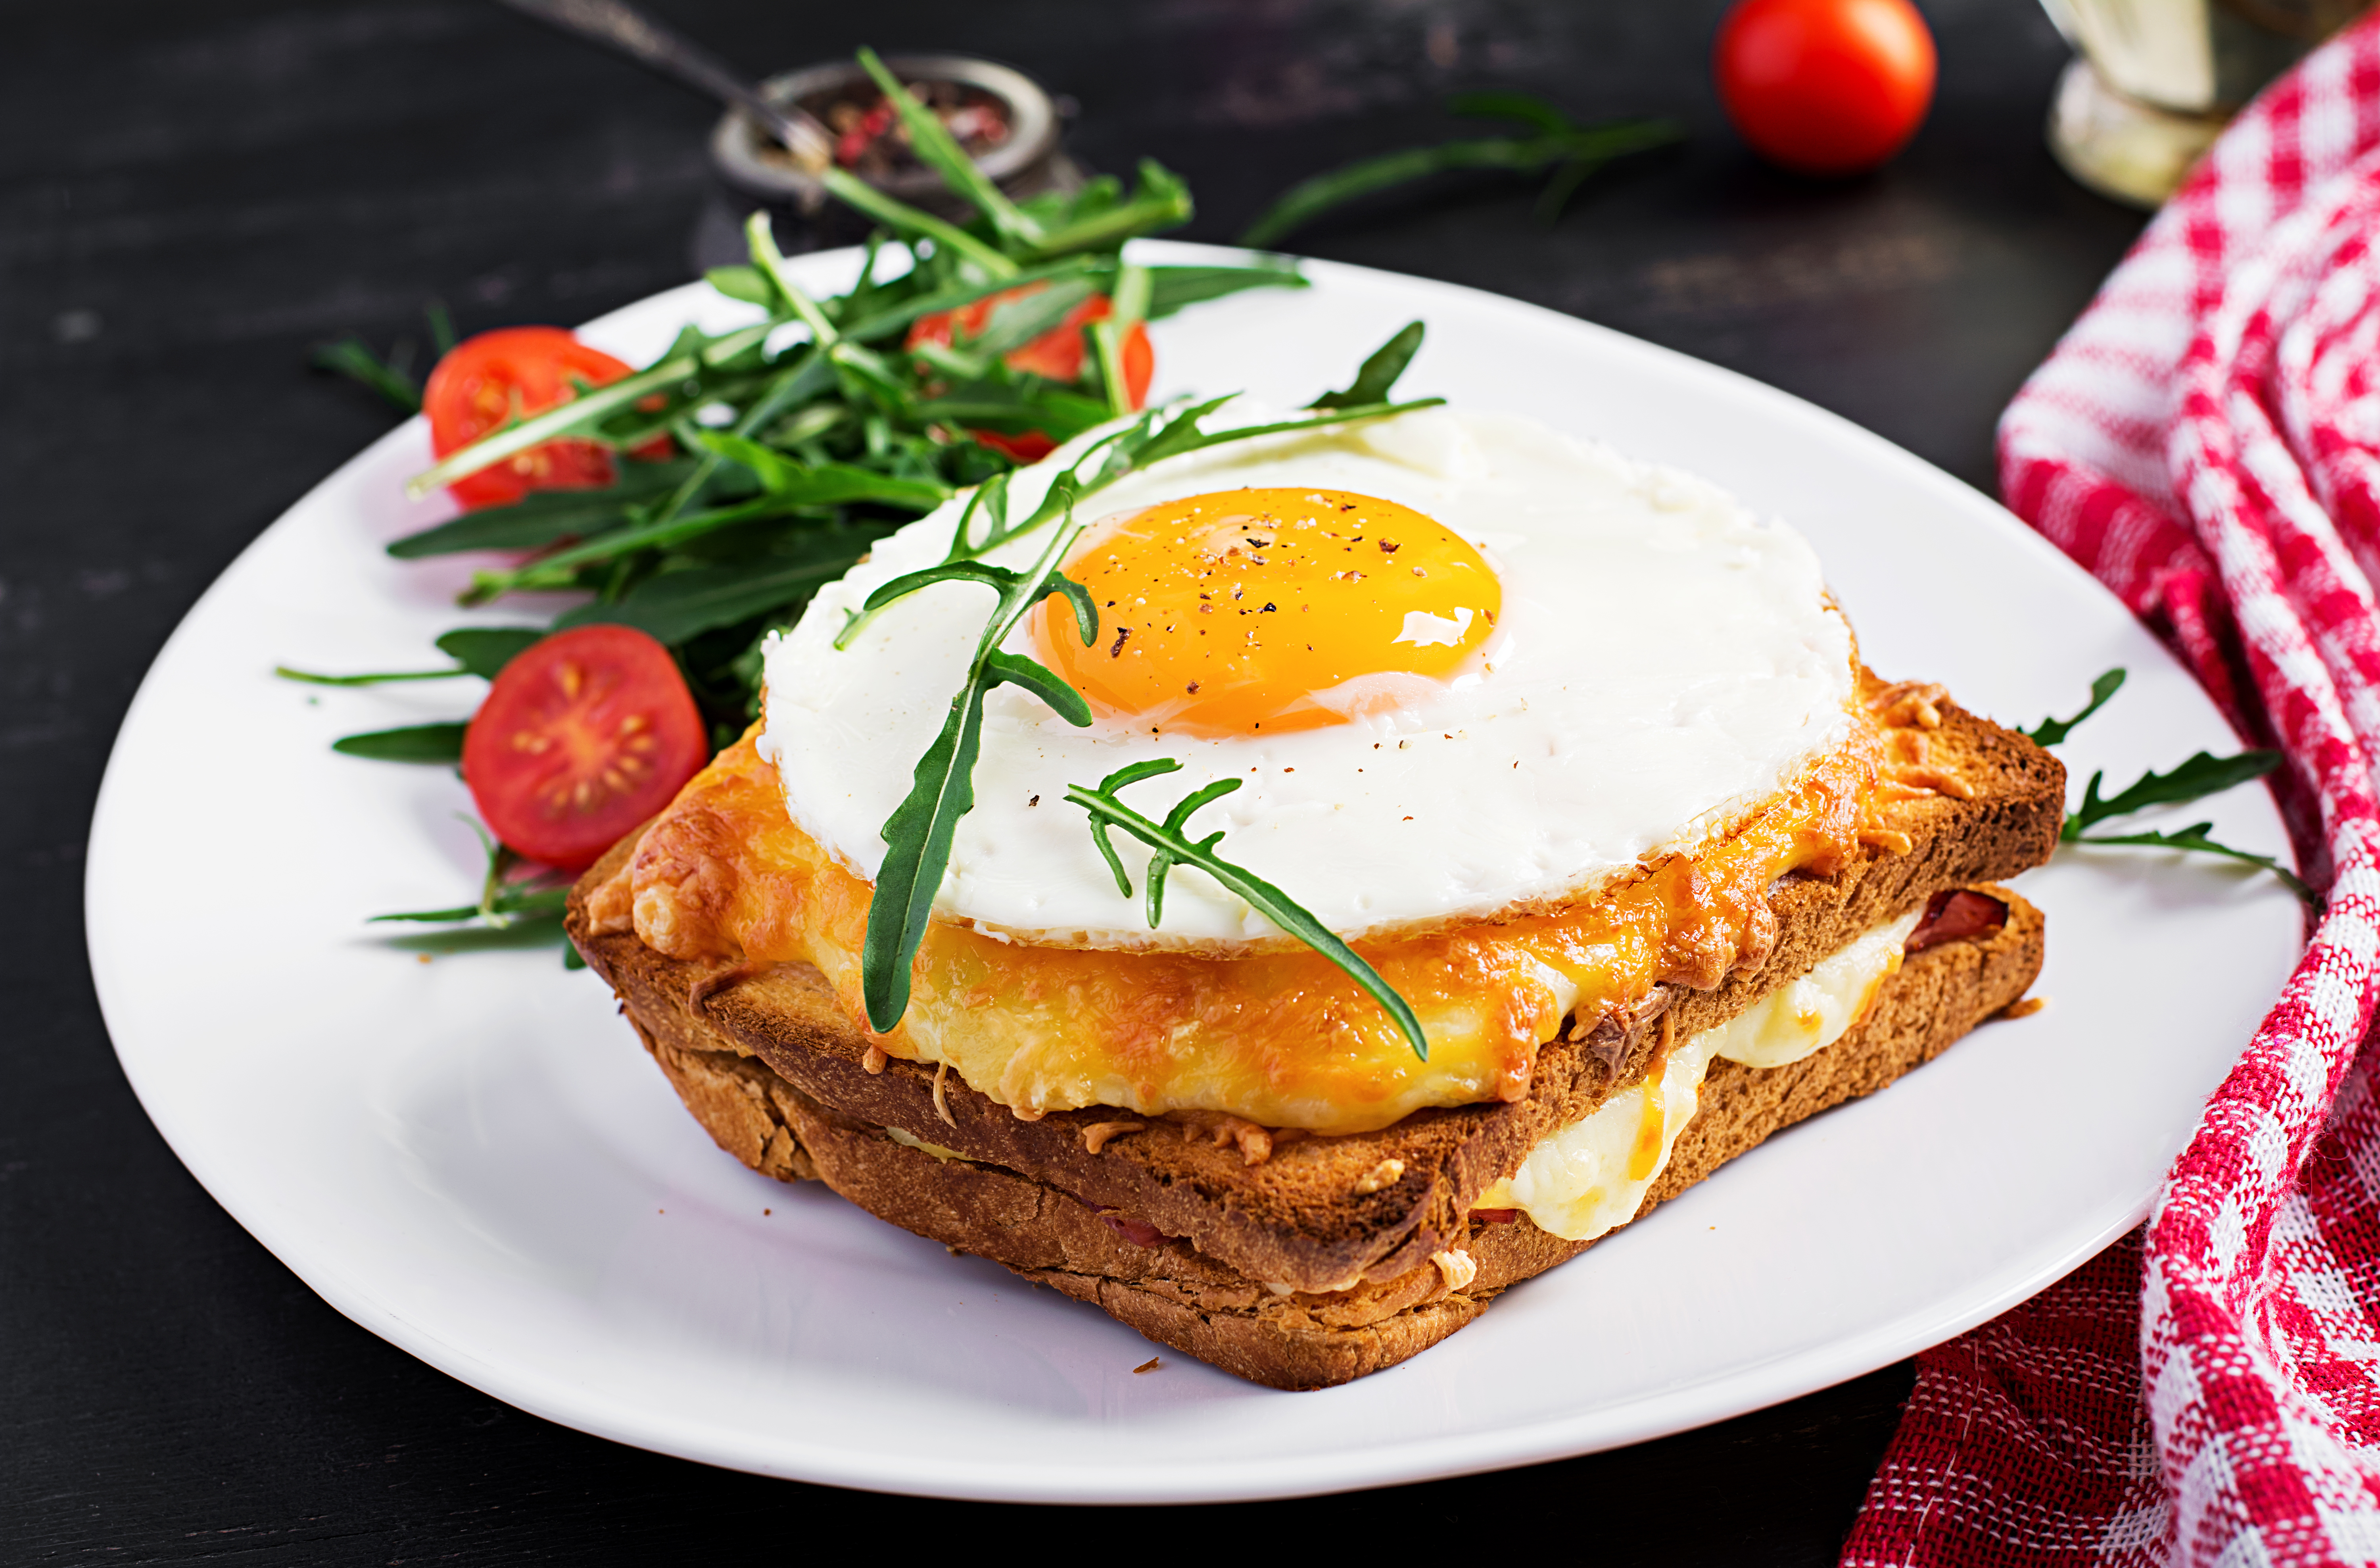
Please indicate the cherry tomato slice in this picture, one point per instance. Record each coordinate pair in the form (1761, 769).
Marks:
(1825, 87)
(483, 381)
(583, 735)
(1057, 355)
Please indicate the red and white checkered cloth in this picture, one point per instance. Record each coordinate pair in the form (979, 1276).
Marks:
(2206, 440)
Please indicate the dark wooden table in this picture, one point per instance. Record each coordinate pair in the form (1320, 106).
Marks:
(194, 192)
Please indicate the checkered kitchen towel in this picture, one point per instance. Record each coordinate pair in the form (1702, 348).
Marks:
(2206, 440)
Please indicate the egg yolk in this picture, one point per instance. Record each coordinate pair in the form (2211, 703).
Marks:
(1253, 611)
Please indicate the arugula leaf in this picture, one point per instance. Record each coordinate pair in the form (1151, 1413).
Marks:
(1171, 288)
(892, 318)
(825, 484)
(2193, 837)
(2202, 775)
(866, 377)
(538, 519)
(528, 930)
(1027, 405)
(1503, 104)
(485, 650)
(510, 902)
(938, 149)
(1577, 151)
(914, 224)
(678, 605)
(411, 743)
(747, 283)
(476, 651)
(2049, 731)
(1377, 373)
(526, 911)
(917, 835)
(1127, 307)
(830, 484)
(761, 239)
(351, 357)
(1014, 669)
(1015, 323)
(1171, 847)
(377, 677)
(1160, 201)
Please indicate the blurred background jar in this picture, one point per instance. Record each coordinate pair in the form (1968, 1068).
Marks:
(2154, 81)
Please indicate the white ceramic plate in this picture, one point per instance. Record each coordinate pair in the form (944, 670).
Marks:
(473, 1158)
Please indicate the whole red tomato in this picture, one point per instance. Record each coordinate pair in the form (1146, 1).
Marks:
(1825, 87)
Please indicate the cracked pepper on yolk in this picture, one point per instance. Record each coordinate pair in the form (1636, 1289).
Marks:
(1245, 610)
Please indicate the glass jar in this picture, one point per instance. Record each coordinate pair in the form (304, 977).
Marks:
(2154, 81)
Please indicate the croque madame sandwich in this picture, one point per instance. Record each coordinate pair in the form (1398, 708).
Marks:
(1575, 756)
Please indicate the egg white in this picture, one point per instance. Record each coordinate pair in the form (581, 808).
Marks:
(1665, 662)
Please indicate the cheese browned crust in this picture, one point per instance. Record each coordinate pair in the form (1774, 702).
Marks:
(725, 877)
(1321, 1213)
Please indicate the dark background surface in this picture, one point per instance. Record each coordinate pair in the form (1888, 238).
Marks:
(195, 192)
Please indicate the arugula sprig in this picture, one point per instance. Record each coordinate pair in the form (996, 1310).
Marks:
(2049, 731)
(2195, 837)
(1169, 430)
(1572, 150)
(1378, 372)
(512, 911)
(1174, 846)
(391, 377)
(476, 650)
(918, 833)
(2204, 774)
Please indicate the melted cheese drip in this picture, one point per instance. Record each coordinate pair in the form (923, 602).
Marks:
(1282, 1039)
(1591, 1176)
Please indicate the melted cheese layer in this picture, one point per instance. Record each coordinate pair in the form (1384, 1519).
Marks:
(1285, 1040)
(1591, 1176)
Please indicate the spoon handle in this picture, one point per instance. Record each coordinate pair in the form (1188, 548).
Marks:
(647, 41)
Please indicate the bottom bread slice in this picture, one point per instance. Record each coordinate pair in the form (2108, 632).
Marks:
(1180, 1297)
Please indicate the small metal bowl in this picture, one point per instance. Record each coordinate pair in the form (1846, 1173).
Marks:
(1030, 160)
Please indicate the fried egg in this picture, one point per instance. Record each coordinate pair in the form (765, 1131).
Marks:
(1462, 666)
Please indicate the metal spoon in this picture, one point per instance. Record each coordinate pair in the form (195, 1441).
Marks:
(650, 43)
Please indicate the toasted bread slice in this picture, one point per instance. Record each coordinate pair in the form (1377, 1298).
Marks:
(1179, 1297)
(1312, 1214)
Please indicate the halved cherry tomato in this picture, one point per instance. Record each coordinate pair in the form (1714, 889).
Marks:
(1057, 355)
(583, 735)
(485, 380)
(1825, 87)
